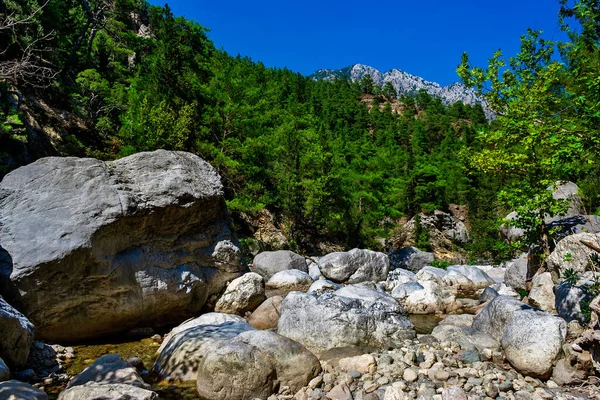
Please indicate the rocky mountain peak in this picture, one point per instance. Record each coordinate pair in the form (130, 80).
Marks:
(406, 83)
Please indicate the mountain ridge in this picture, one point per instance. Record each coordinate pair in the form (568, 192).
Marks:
(408, 84)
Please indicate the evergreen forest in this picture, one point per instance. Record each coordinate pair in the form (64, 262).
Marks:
(338, 160)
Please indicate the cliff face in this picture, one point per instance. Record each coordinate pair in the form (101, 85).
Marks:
(405, 83)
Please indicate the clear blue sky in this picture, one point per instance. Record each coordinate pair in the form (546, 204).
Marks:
(421, 37)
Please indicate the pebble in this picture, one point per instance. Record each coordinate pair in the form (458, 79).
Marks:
(410, 375)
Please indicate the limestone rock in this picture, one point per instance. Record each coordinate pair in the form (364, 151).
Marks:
(432, 298)
(323, 285)
(266, 316)
(467, 338)
(235, 371)
(432, 274)
(367, 293)
(542, 292)
(354, 266)
(399, 276)
(410, 258)
(294, 365)
(478, 278)
(519, 271)
(292, 279)
(488, 294)
(268, 263)
(15, 390)
(99, 391)
(253, 364)
(16, 335)
(242, 294)
(212, 318)
(328, 321)
(364, 364)
(140, 241)
(180, 354)
(464, 320)
(403, 290)
(532, 340)
(109, 369)
(571, 253)
(568, 298)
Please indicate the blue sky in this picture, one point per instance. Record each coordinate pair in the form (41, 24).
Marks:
(424, 38)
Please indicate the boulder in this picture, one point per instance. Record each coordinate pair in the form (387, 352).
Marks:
(496, 272)
(292, 279)
(488, 294)
(212, 318)
(180, 353)
(16, 335)
(409, 258)
(109, 369)
(574, 225)
(313, 269)
(504, 290)
(367, 293)
(532, 340)
(15, 390)
(404, 290)
(364, 364)
(478, 278)
(99, 391)
(444, 229)
(329, 321)
(565, 190)
(294, 365)
(235, 371)
(4, 371)
(432, 274)
(510, 233)
(431, 299)
(398, 277)
(266, 316)
(519, 271)
(542, 292)
(268, 263)
(354, 266)
(571, 253)
(140, 241)
(242, 294)
(568, 298)
(323, 285)
(254, 364)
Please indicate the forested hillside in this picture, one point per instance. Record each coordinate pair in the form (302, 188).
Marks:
(108, 78)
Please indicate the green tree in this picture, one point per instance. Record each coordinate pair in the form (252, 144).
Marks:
(537, 138)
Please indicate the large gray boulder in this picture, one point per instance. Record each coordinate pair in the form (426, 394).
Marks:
(410, 258)
(568, 298)
(180, 353)
(354, 266)
(16, 335)
(254, 364)
(268, 263)
(15, 390)
(242, 294)
(140, 241)
(532, 340)
(399, 276)
(329, 321)
(479, 279)
(289, 280)
(572, 253)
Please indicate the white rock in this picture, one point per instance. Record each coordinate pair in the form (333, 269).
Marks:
(242, 294)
